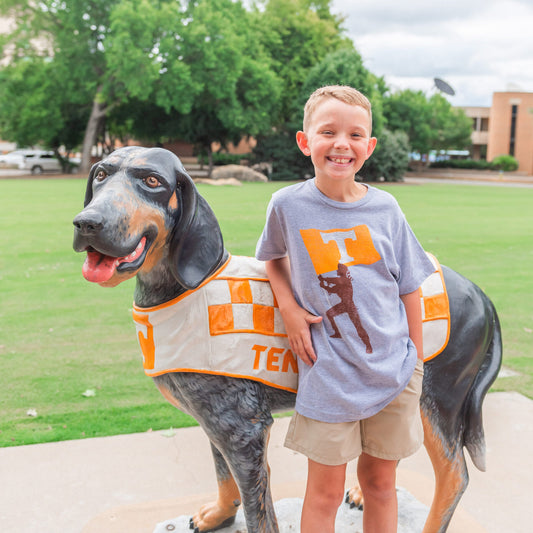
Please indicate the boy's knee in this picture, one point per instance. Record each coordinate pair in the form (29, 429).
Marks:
(378, 480)
(328, 497)
(376, 487)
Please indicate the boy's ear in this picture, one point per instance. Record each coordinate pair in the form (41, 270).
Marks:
(371, 145)
(301, 141)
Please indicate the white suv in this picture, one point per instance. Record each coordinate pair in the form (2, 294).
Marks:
(36, 161)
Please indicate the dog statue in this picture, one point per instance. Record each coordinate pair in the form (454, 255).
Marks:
(144, 217)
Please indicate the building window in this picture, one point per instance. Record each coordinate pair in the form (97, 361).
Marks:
(514, 113)
(484, 124)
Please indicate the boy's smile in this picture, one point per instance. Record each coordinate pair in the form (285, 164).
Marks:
(340, 160)
(338, 141)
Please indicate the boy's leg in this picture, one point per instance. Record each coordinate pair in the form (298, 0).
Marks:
(393, 433)
(377, 479)
(324, 493)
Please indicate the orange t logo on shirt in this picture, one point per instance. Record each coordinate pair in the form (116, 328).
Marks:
(353, 246)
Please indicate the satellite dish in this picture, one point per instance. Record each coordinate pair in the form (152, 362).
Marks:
(443, 87)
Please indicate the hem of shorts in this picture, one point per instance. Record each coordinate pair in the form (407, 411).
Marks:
(392, 456)
(334, 418)
(316, 458)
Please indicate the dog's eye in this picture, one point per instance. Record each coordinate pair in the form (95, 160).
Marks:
(101, 176)
(152, 182)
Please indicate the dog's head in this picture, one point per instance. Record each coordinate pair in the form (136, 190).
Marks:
(141, 208)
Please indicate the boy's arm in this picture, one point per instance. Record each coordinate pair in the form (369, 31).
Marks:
(411, 301)
(296, 319)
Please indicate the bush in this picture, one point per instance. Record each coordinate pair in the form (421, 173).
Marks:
(470, 164)
(505, 162)
(279, 148)
(223, 158)
(390, 158)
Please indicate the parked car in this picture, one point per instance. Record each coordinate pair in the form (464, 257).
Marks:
(13, 159)
(36, 161)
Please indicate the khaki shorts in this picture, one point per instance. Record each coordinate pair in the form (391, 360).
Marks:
(394, 433)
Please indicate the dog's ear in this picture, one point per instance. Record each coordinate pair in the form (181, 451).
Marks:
(89, 189)
(196, 245)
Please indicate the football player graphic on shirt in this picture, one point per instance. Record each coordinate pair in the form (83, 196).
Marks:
(341, 285)
(335, 250)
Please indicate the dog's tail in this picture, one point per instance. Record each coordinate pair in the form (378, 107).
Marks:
(474, 436)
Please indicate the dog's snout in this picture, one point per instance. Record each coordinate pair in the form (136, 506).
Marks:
(88, 223)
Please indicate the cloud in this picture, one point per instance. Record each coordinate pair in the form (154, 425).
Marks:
(478, 46)
(416, 14)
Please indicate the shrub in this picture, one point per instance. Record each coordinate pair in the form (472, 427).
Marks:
(505, 162)
(390, 158)
(223, 158)
(279, 148)
(470, 164)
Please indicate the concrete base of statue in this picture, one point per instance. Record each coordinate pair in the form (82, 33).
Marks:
(411, 517)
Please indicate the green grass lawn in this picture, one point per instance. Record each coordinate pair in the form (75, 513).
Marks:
(61, 336)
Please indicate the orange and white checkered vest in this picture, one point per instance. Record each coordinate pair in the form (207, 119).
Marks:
(229, 325)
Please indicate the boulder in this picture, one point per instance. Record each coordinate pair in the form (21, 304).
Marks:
(238, 172)
(222, 181)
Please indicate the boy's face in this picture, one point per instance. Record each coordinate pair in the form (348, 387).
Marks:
(338, 140)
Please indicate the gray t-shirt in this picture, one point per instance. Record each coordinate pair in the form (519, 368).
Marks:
(350, 262)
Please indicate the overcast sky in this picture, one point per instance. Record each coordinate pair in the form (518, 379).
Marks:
(477, 46)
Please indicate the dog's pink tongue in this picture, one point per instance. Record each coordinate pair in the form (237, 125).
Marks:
(98, 267)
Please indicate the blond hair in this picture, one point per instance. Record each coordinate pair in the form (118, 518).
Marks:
(344, 93)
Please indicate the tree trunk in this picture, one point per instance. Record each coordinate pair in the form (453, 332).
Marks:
(98, 114)
(210, 159)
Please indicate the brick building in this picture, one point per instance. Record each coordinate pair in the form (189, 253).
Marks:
(511, 128)
(504, 128)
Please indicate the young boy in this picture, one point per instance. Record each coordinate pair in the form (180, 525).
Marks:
(345, 268)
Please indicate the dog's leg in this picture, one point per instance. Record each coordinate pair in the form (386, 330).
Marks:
(243, 443)
(220, 513)
(235, 415)
(253, 477)
(451, 476)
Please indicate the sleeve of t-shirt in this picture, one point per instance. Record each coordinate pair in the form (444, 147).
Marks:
(415, 265)
(271, 244)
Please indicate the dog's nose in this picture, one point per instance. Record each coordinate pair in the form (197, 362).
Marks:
(88, 223)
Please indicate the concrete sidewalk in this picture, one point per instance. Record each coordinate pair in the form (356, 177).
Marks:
(469, 177)
(129, 483)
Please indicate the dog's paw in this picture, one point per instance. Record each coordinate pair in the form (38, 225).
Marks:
(212, 516)
(354, 497)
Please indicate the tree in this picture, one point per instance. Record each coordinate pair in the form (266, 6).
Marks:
(237, 91)
(200, 68)
(345, 67)
(297, 35)
(65, 41)
(450, 126)
(29, 95)
(342, 67)
(214, 79)
(431, 124)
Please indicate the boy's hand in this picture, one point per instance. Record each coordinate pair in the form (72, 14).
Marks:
(411, 301)
(296, 319)
(297, 324)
